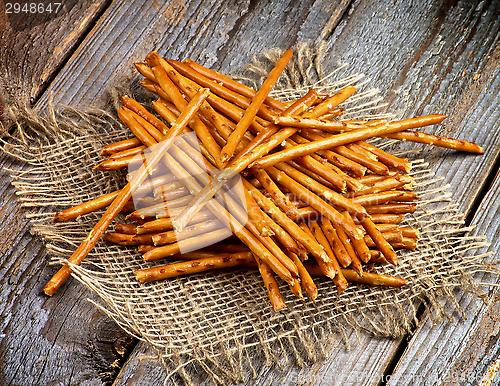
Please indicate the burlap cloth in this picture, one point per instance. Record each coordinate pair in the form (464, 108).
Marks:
(222, 323)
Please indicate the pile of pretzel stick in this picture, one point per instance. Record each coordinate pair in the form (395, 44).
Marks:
(314, 198)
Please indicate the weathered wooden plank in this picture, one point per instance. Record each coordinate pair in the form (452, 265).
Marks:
(34, 45)
(460, 352)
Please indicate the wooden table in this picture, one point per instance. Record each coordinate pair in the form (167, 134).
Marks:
(425, 56)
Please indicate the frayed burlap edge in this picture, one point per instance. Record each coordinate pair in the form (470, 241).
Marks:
(217, 323)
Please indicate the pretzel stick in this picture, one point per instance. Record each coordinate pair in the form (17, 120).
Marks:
(305, 279)
(367, 278)
(119, 202)
(314, 123)
(128, 152)
(384, 197)
(343, 257)
(347, 137)
(85, 208)
(430, 139)
(391, 209)
(129, 229)
(397, 163)
(281, 235)
(271, 285)
(398, 181)
(126, 239)
(232, 85)
(386, 218)
(379, 240)
(330, 103)
(192, 267)
(276, 194)
(140, 110)
(193, 230)
(165, 224)
(116, 147)
(346, 241)
(390, 237)
(251, 111)
(359, 245)
(256, 216)
(333, 265)
(410, 232)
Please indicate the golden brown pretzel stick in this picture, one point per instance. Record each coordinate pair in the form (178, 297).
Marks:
(165, 224)
(125, 194)
(291, 227)
(335, 243)
(390, 237)
(282, 236)
(410, 232)
(305, 279)
(251, 111)
(390, 160)
(232, 84)
(85, 208)
(276, 194)
(384, 197)
(151, 129)
(128, 152)
(127, 239)
(224, 92)
(271, 285)
(346, 241)
(314, 123)
(315, 201)
(306, 213)
(386, 218)
(139, 131)
(430, 139)
(330, 103)
(333, 265)
(140, 110)
(347, 137)
(299, 106)
(116, 147)
(340, 184)
(396, 182)
(120, 163)
(359, 245)
(171, 237)
(367, 278)
(129, 229)
(391, 209)
(407, 243)
(192, 267)
(334, 198)
(169, 87)
(379, 240)
(146, 71)
(256, 215)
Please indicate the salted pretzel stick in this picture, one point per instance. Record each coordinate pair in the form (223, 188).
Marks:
(340, 184)
(343, 257)
(367, 278)
(390, 160)
(150, 129)
(386, 218)
(396, 182)
(256, 215)
(384, 197)
(146, 71)
(410, 232)
(192, 267)
(232, 84)
(379, 240)
(390, 237)
(156, 88)
(165, 224)
(116, 147)
(128, 153)
(306, 213)
(347, 137)
(430, 139)
(222, 91)
(333, 265)
(276, 194)
(407, 243)
(139, 131)
(291, 227)
(125, 194)
(140, 110)
(314, 123)
(359, 245)
(315, 201)
(251, 111)
(271, 285)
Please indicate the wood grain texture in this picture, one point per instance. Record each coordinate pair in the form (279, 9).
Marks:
(460, 352)
(33, 46)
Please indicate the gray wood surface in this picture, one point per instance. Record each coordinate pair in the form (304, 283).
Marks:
(427, 57)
